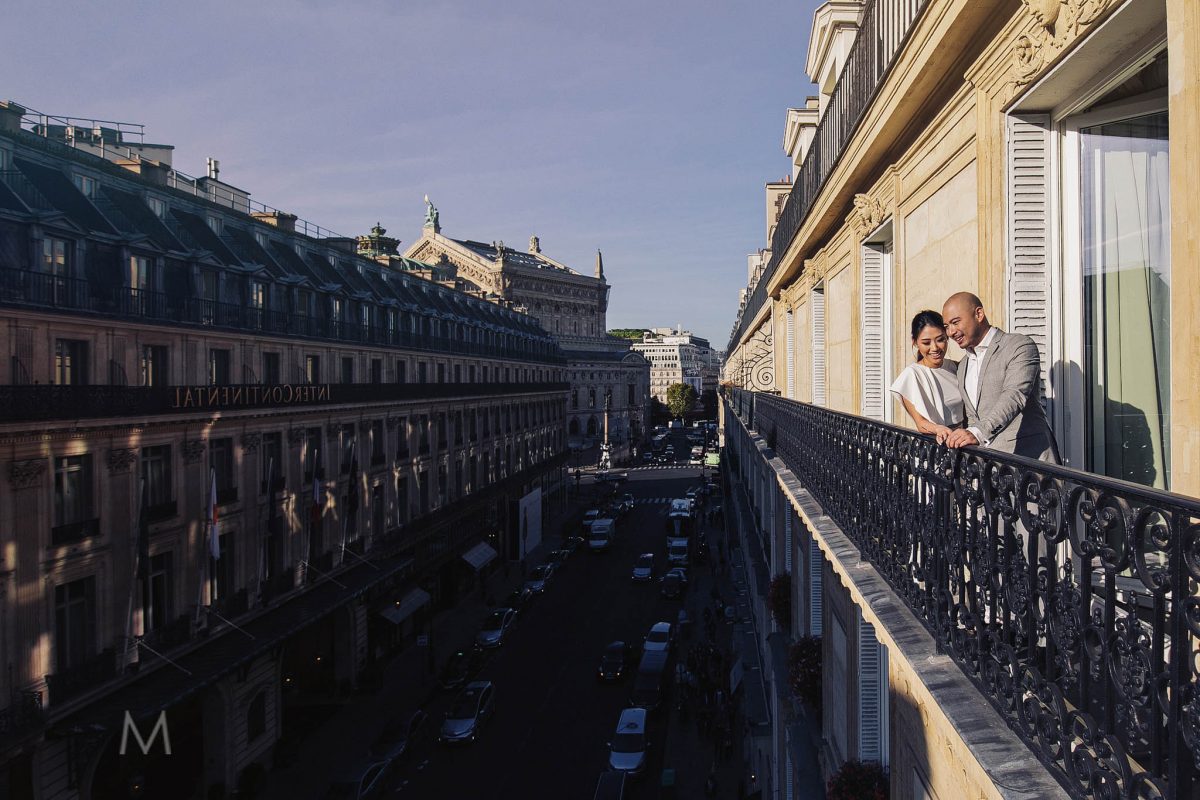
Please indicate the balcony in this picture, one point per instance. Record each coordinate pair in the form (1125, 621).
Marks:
(883, 29)
(1069, 599)
(167, 636)
(22, 715)
(226, 495)
(76, 680)
(30, 288)
(74, 532)
(162, 511)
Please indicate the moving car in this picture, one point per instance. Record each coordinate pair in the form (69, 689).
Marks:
(364, 780)
(495, 627)
(399, 736)
(613, 662)
(677, 553)
(627, 750)
(470, 711)
(601, 535)
(536, 582)
(660, 637)
(643, 569)
(672, 585)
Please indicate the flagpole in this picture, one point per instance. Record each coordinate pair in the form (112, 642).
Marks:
(134, 578)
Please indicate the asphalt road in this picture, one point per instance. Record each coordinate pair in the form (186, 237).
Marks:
(553, 719)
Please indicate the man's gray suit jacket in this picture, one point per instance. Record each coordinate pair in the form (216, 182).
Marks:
(1010, 415)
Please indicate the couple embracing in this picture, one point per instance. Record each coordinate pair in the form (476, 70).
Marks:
(990, 398)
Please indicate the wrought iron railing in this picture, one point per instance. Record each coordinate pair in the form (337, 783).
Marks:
(1068, 598)
(81, 677)
(883, 28)
(30, 288)
(73, 532)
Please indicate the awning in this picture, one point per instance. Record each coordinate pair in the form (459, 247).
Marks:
(480, 555)
(405, 607)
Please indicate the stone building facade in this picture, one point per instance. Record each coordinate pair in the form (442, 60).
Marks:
(678, 356)
(1041, 155)
(571, 306)
(241, 464)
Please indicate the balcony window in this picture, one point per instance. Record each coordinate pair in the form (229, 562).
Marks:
(56, 257)
(348, 370)
(441, 373)
(347, 443)
(401, 370)
(153, 365)
(376, 370)
(218, 367)
(220, 461)
(74, 623)
(423, 426)
(402, 437)
(74, 511)
(422, 372)
(224, 583)
(160, 603)
(458, 427)
(471, 374)
(215, 223)
(262, 239)
(441, 432)
(312, 454)
(401, 501)
(458, 373)
(377, 441)
(312, 369)
(273, 468)
(156, 472)
(70, 362)
(270, 374)
(85, 185)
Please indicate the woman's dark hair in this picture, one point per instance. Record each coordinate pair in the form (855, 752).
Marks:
(923, 320)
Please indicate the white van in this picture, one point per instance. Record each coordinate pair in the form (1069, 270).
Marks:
(600, 537)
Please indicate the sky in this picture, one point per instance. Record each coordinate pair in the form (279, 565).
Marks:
(645, 129)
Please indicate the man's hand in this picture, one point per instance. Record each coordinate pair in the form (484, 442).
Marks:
(961, 438)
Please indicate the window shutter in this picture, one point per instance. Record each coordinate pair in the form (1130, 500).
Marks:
(816, 598)
(818, 346)
(1028, 240)
(872, 332)
(789, 785)
(869, 695)
(791, 357)
(787, 540)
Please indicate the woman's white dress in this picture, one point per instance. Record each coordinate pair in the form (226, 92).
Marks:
(933, 392)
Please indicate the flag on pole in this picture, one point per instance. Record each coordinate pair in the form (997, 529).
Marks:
(214, 544)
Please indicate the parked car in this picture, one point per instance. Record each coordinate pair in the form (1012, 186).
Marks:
(643, 568)
(627, 750)
(590, 516)
(362, 781)
(660, 637)
(536, 582)
(556, 559)
(469, 713)
(459, 668)
(495, 627)
(672, 585)
(572, 543)
(399, 737)
(519, 599)
(648, 682)
(677, 553)
(614, 662)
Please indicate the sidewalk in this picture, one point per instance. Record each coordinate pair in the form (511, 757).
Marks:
(407, 684)
(695, 743)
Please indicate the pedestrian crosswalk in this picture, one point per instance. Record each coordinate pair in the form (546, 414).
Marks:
(650, 501)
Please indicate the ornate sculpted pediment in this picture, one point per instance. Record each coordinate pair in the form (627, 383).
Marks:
(868, 214)
(193, 450)
(121, 459)
(1054, 24)
(26, 474)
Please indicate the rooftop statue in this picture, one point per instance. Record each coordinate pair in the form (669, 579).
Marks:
(431, 215)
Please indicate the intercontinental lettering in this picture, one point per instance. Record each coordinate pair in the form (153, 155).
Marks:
(249, 396)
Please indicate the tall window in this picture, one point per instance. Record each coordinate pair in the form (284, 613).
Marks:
(72, 490)
(377, 443)
(401, 370)
(270, 374)
(272, 460)
(153, 365)
(422, 372)
(376, 370)
(1126, 255)
(224, 575)
(348, 369)
(74, 623)
(159, 610)
(218, 367)
(312, 453)
(141, 282)
(156, 471)
(312, 369)
(348, 444)
(56, 258)
(402, 437)
(220, 460)
(70, 362)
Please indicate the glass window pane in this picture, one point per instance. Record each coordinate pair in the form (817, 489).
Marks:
(1127, 297)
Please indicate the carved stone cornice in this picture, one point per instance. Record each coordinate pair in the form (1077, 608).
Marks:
(27, 473)
(868, 214)
(193, 450)
(250, 442)
(1052, 26)
(121, 459)
(295, 436)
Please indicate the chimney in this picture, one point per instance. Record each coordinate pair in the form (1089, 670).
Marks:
(214, 168)
(599, 265)
(276, 219)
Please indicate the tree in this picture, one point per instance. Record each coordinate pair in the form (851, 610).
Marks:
(628, 333)
(680, 399)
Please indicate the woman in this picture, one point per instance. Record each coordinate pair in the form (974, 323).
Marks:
(929, 388)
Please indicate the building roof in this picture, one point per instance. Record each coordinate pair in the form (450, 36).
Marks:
(513, 257)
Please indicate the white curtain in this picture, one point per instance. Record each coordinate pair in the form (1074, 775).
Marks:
(1127, 290)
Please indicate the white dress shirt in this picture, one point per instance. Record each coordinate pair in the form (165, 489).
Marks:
(973, 364)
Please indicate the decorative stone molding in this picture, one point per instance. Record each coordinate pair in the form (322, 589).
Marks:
(26, 474)
(121, 459)
(868, 214)
(250, 442)
(295, 436)
(1053, 25)
(193, 450)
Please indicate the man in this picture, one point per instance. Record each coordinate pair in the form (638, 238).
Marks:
(999, 384)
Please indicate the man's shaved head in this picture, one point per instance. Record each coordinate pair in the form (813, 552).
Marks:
(966, 321)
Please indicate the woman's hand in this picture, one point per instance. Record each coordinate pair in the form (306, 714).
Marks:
(941, 433)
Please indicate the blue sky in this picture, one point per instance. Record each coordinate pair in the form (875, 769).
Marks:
(645, 129)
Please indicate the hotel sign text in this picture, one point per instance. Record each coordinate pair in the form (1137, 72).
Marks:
(249, 395)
